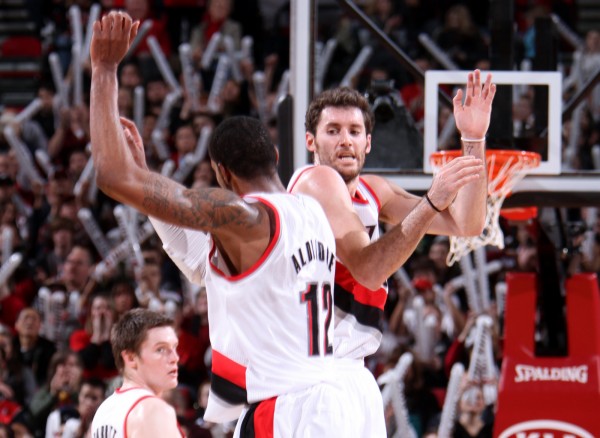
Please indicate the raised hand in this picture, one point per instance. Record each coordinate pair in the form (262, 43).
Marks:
(473, 116)
(112, 36)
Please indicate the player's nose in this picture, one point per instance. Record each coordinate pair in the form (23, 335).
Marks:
(345, 138)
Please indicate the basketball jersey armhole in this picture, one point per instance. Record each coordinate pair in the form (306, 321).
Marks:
(144, 397)
(372, 192)
(275, 234)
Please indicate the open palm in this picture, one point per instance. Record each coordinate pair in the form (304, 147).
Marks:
(473, 116)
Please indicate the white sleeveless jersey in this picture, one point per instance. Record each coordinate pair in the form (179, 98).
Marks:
(358, 310)
(111, 417)
(271, 327)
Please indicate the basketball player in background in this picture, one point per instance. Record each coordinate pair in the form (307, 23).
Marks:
(144, 346)
(338, 125)
(269, 274)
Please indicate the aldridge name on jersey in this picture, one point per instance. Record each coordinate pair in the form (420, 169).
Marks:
(313, 250)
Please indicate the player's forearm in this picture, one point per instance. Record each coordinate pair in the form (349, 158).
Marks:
(375, 263)
(469, 210)
(112, 160)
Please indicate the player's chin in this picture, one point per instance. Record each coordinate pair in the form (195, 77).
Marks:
(348, 173)
(173, 379)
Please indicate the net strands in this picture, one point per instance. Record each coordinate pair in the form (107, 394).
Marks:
(505, 169)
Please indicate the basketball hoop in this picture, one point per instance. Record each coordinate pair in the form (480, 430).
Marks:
(505, 169)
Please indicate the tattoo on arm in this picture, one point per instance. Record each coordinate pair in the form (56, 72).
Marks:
(468, 149)
(206, 209)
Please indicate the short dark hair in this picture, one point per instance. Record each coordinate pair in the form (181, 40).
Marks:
(242, 145)
(131, 330)
(341, 97)
(94, 382)
(61, 358)
(60, 223)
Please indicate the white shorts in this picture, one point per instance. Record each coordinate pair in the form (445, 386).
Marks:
(351, 409)
(319, 411)
(362, 398)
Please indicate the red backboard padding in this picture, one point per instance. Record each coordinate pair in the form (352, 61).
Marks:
(554, 397)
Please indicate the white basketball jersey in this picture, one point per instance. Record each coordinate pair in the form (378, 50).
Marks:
(111, 417)
(358, 310)
(271, 327)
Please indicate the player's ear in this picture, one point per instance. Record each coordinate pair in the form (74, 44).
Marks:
(129, 359)
(311, 144)
(225, 173)
(276, 154)
(368, 148)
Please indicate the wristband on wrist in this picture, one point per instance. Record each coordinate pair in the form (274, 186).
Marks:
(431, 203)
(472, 140)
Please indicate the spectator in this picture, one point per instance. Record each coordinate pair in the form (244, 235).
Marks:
(216, 19)
(130, 75)
(586, 62)
(32, 350)
(45, 115)
(76, 273)
(149, 292)
(93, 341)
(185, 142)
(460, 37)
(53, 256)
(142, 10)
(123, 296)
(125, 102)
(72, 133)
(204, 176)
(78, 158)
(73, 421)
(17, 383)
(64, 381)
(156, 92)
(474, 417)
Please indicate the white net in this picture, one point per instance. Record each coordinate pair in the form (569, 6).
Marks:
(505, 170)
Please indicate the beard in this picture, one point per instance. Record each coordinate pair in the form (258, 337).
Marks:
(348, 173)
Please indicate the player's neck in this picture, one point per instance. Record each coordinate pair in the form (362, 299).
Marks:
(260, 184)
(132, 380)
(352, 186)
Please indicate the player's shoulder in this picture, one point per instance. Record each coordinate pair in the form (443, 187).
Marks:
(150, 413)
(152, 405)
(314, 178)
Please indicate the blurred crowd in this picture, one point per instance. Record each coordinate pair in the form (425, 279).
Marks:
(74, 260)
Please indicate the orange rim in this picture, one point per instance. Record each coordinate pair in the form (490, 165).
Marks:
(496, 159)
(519, 213)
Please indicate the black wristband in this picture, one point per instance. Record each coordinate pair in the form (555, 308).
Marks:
(431, 203)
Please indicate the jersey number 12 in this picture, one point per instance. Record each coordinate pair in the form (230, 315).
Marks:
(311, 297)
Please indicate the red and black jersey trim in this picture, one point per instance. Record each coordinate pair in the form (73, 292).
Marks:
(227, 390)
(258, 420)
(366, 315)
(228, 379)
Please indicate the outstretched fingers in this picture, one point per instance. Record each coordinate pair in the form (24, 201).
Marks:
(121, 25)
(457, 101)
(491, 92)
(469, 93)
(134, 30)
(477, 84)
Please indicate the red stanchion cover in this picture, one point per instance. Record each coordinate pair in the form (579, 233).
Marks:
(550, 397)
